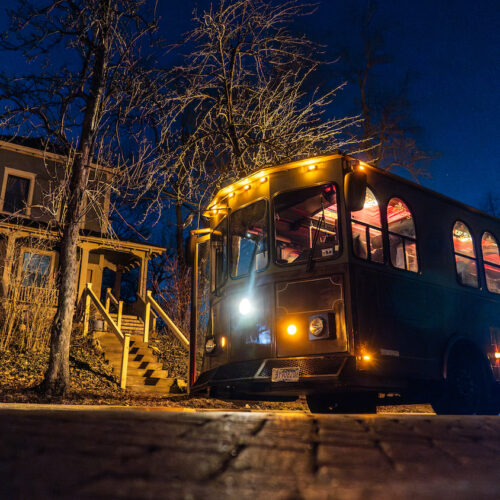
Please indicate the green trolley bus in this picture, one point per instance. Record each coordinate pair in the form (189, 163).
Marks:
(336, 280)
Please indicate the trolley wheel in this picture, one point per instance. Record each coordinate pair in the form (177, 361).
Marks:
(342, 403)
(468, 388)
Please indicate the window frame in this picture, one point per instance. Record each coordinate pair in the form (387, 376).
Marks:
(335, 255)
(486, 262)
(31, 177)
(214, 286)
(24, 250)
(475, 259)
(230, 239)
(367, 232)
(415, 240)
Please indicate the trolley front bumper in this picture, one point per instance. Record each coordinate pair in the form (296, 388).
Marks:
(317, 374)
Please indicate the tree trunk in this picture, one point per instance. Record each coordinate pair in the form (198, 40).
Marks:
(180, 235)
(56, 381)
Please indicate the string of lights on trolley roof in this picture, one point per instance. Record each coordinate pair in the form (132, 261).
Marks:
(219, 204)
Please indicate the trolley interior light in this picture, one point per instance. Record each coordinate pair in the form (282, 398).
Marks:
(291, 329)
(223, 342)
(312, 167)
(367, 357)
(497, 355)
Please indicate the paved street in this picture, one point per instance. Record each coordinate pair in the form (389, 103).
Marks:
(104, 453)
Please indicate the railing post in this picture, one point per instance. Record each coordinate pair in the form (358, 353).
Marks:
(106, 306)
(123, 372)
(147, 314)
(119, 316)
(86, 315)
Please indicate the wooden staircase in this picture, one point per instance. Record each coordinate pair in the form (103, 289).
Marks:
(145, 374)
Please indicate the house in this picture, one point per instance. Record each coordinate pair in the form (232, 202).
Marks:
(30, 177)
(28, 237)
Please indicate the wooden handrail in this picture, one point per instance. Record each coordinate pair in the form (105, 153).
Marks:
(164, 316)
(104, 313)
(110, 296)
(124, 339)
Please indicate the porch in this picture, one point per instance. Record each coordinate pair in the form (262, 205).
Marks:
(29, 264)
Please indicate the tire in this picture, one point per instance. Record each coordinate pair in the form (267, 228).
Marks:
(342, 403)
(468, 389)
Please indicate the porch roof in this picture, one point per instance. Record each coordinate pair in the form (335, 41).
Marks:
(86, 238)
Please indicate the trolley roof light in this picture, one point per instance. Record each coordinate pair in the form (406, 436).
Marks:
(261, 176)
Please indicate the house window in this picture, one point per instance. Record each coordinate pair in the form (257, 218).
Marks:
(491, 259)
(16, 197)
(367, 230)
(402, 237)
(465, 255)
(36, 269)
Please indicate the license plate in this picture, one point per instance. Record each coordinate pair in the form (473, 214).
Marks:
(285, 374)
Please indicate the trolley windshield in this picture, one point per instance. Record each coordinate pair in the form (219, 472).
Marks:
(249, 239)
(306, 222)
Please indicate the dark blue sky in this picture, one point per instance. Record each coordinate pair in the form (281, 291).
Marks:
(452, 49)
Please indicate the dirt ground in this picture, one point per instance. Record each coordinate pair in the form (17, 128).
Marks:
(93, 383)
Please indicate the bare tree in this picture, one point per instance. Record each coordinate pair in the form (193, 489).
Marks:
(389, 132)
(491, 203)
(88, 87)
(241, 97)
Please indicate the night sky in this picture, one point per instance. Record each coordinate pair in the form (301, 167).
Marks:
(452, 49)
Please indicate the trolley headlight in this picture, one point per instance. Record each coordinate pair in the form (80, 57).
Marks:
(245, 307)
(210, 346)
(317, 326)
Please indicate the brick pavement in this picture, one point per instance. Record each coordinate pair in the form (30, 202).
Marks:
(54, 453)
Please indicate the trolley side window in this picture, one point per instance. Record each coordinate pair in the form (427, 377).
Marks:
(402, 236)
(249, 239)
(491, 258)
(465, 256)
(306, 224)
(367, 230)
(218, 244)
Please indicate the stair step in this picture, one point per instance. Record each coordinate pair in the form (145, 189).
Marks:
(133, 351)
(148, 381)
(141, 373)
(138, 365)
(164, 386)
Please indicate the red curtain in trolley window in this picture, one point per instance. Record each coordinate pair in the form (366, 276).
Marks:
(491, 258)
(465, 255)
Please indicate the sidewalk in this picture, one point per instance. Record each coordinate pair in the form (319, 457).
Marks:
(126, 453)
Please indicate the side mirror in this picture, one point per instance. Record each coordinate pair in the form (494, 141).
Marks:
(355, 190)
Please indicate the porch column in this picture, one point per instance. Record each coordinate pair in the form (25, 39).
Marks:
(8, 261)
(143, 275)
(84, 262)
